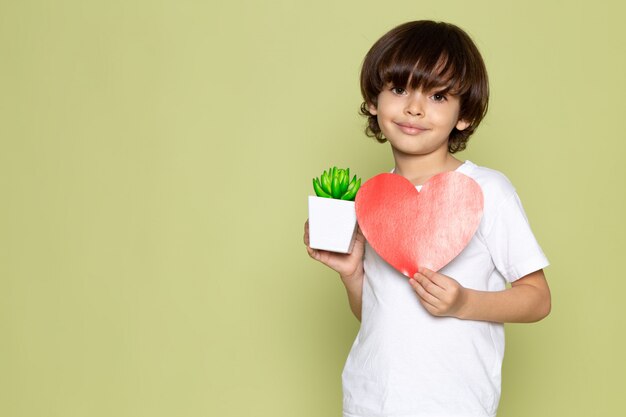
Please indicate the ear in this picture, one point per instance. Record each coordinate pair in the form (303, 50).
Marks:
(462, 124)
(372, 109)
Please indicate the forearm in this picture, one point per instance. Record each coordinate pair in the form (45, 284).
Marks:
(349, 266)
(522, 303)
(354, 289)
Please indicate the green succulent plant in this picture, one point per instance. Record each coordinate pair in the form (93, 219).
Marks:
(336, 184)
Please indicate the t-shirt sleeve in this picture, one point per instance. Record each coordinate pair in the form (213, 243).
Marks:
(513, 247)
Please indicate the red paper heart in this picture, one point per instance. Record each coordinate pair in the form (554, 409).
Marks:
(410, 228)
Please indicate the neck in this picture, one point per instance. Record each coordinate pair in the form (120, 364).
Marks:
(419, 168)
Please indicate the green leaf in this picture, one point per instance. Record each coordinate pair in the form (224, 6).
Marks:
(336, 187)
(352, 190)
(318, 189)
(325, 183)
(344, 181)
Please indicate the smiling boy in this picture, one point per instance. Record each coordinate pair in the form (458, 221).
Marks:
(433, 346)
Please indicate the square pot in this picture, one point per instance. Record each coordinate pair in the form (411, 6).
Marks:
(332, 224)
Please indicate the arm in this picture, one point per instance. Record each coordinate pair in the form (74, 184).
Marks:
(354, 288)
(528, 300)
(349, 266)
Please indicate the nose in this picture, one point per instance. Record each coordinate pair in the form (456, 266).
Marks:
(414, 106)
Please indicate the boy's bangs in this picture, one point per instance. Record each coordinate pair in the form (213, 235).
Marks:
(424, 71)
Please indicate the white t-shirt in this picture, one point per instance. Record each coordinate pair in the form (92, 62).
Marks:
(408, 363)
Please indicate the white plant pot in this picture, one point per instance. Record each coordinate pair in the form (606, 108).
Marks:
(332, 224)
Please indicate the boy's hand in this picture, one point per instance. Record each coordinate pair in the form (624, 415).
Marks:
(439, 294)
(347, 265)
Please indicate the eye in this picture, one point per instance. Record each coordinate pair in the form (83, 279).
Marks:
(439, 97)
(398, 91)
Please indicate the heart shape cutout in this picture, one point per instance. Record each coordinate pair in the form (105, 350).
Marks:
(410, 228)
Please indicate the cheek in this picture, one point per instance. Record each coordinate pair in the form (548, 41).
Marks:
(388, 110)
(381, 115)
(448, 119)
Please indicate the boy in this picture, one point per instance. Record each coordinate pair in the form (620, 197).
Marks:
(433, 346)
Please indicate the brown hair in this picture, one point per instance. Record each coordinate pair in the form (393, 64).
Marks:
(425, 55)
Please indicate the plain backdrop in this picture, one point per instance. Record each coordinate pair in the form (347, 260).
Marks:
(155, 163)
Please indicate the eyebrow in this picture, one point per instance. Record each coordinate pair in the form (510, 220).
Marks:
(435, 90)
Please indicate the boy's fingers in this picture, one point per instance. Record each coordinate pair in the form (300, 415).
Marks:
(428, 285)
(313, 253)
(424, 295)
(306, 232)
(425, 271)
(359, 234)
(435, 277)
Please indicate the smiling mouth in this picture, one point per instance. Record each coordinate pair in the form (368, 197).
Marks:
(411, 129)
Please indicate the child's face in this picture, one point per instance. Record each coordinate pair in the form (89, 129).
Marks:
(417, 122)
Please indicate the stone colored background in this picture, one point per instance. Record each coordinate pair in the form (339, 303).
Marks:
(155, 164)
